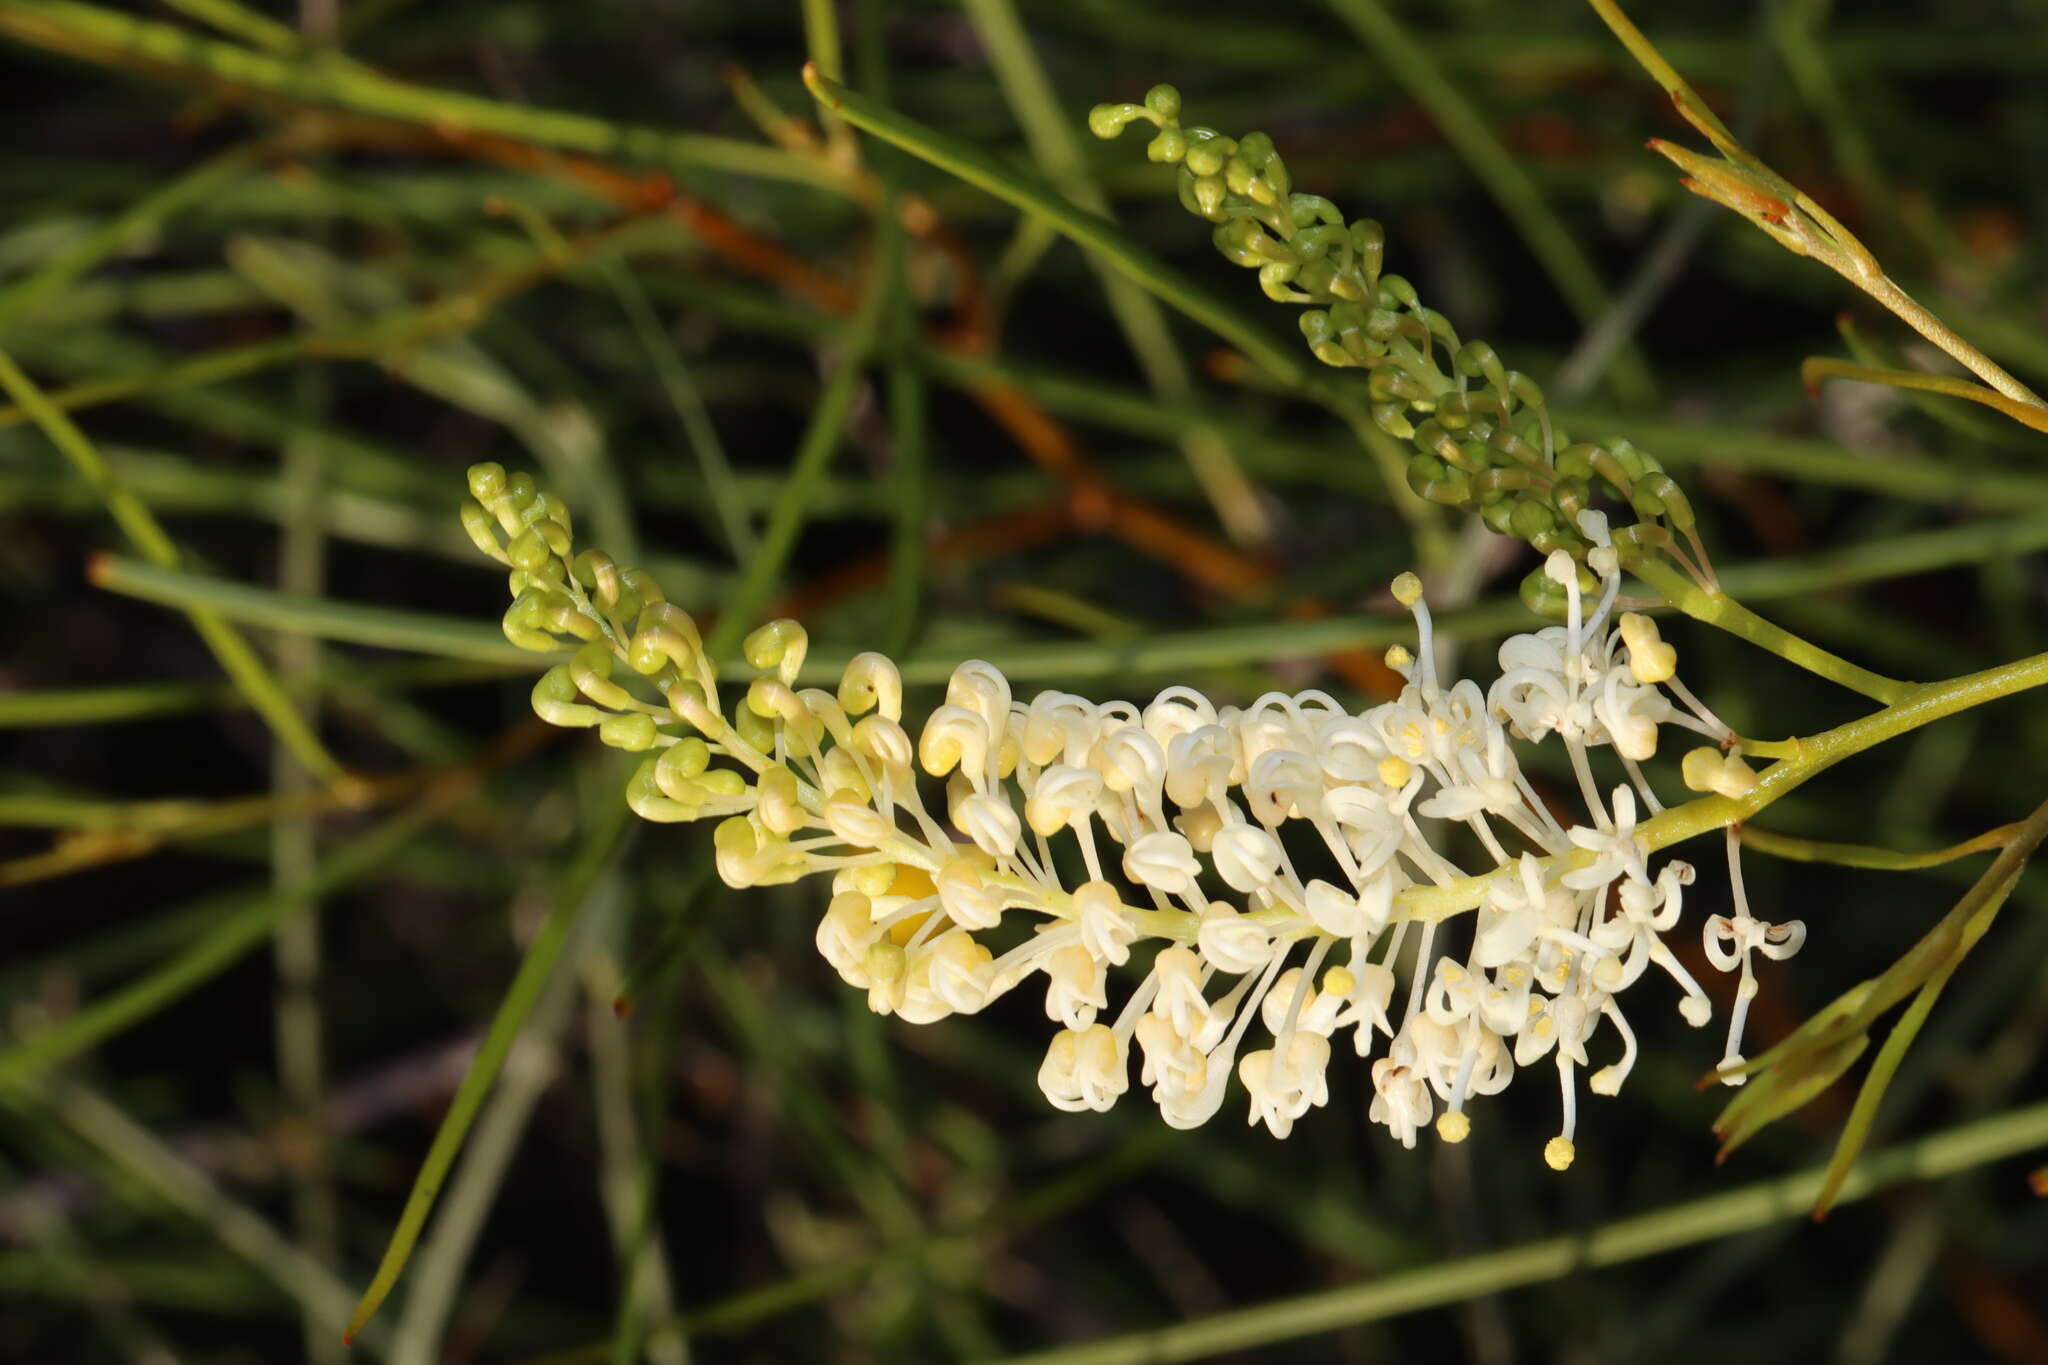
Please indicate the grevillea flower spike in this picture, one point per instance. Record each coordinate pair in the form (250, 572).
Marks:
(1202, 894)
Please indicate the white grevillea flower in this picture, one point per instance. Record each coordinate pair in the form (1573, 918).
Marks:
(1084, 1069)
(1261, 876)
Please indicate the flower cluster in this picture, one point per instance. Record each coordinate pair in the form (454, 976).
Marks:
(1482, 437)
(1279, 867)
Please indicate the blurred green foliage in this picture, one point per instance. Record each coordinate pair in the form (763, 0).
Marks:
(290, 273)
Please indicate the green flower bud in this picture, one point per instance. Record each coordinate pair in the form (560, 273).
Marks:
(591, 669)
(1240, 176)
(780, 645)
(529, 551)
(1640, 542)
(559, 615)
(1392, 419)
(665, 635)
(486, 482)
(1319, 279)
(556, 701)
(1431, 478)
(1208, 151)
(1275, 281)
(523, 624)
(1531, 519)
(1321, 336)
(1438, 326)
(1350, 320)
(683, 761)
(1545, 597)
(1515, 448)
(1109, 120)
(1169, 148)
(1570, 497)
(1369, 243)
(1243, 242)
(1310, 210)
(752, 728)
(645, 798)
(724, 783)
(1476, 360)
(1396, 292)
(1163, 101)
(483, 532)
(597, 572)
(1389, 384)
(635, 733)
(1432, 439)
(1576, 461)
(1658, 495)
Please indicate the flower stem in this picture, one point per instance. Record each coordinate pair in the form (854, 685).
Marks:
(1718, 609)
(1679, 1225)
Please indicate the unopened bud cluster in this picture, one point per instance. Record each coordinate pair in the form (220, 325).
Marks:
(1198, 892)
(1482, 437)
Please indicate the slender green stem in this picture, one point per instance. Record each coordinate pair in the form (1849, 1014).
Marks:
(1796, 849)
(1629, 1239)
(1863, 1114)
(327, 80)
(1498, 170)
(448, 637)
(1102, 237)
(698, 431)
(167, 1175)
(978, 168)
(402, 332)
(107, 705)
(236, 932)
(1152, 655)
(237, 657)
(1810, 230)
(1718, 609)
(626, 1169)
(1049, 130)
(909, 465)
(1819, 367)
(200, 183)
(530, 1067)
(239, 21)
(792, 508)
(535, 970)
(294, 855)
